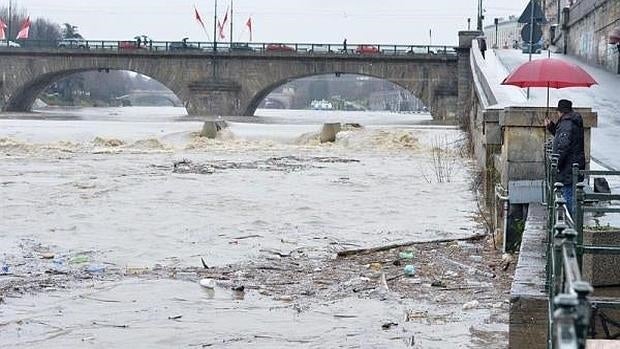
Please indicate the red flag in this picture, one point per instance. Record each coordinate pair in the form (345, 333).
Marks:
(197, 15)
(249, 25)
(24, 30)
(2, 28)
(223, 24)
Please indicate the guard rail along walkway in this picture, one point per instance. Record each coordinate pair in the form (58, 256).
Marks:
(571, 304)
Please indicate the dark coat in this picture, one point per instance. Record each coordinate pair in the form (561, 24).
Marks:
(568, 144)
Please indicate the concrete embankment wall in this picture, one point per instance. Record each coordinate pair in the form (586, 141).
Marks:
(528, 298)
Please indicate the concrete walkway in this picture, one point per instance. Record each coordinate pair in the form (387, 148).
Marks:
(603, 98)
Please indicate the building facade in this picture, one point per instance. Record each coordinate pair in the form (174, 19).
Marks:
(587, 25)
(506, 35)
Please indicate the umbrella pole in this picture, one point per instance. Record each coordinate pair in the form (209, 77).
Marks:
(547, 112)
(547, 100)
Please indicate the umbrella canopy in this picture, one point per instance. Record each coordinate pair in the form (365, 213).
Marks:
(550, 73)
(614, 37)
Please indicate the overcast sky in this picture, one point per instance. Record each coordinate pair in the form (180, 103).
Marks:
(360, 21)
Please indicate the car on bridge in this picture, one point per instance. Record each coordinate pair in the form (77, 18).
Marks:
(367, 50)
(317, 48)
(240, 47)
(73, 43)
(130, 45)
(279, 48)
(536, 47)
(183, 45)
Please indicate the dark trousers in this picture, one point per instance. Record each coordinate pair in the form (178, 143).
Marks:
(567, 192)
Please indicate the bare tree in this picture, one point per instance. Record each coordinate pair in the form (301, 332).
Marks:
(70, 32)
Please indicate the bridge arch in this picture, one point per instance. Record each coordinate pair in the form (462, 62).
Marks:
(416, 90)
(434, 82)
(24, 96)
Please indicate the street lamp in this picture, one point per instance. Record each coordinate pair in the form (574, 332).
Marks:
(480, 16)
(496, 21)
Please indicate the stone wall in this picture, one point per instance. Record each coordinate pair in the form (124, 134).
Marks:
(587, 30)
(528, 298)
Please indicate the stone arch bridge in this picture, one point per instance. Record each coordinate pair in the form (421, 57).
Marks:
(230, 83)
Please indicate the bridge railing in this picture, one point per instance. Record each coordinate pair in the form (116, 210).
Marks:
(238, 47)
(570, 304)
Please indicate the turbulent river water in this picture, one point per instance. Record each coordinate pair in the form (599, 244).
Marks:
(100, 184)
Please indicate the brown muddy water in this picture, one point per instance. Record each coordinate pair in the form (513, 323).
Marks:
(104, 237)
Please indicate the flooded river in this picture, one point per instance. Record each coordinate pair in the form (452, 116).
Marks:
(92, 196)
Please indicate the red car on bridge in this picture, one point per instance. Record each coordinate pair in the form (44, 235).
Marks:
(279, 48)
(367, 50)
(129, 45)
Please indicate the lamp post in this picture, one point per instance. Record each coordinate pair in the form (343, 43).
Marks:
(496, 21)
(430, 37)
(8, 37)
(480, 16)
(215, 27)
(231, 22)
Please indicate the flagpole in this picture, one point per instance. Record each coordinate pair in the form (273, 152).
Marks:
(215, 28)
(8, 37)
(231, 22)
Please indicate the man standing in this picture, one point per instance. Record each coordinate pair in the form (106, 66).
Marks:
(568, 144)
(483, 46)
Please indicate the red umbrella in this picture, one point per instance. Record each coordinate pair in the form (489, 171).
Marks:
(549, 73)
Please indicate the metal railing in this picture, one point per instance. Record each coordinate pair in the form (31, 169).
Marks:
(197, 47)
(570, 304)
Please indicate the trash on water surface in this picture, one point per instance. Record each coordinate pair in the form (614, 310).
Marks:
(471, 305)
(438, 283)
(388, 325)
(79, 259)
(375, 266)
(95, 268)
(239, 288)
(207, 283)
(409, 270)
(405, 255)
(5, 269)
(129, 270)
(47, 255)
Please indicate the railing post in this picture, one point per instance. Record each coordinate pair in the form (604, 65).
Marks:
(575, 180)
(557, 267)
(579, 201)
(583, 312)
(565, 334)
(557, 193)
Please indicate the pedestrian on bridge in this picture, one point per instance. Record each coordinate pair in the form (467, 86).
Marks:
(482, 42)
(568, 143)
(344, 44)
